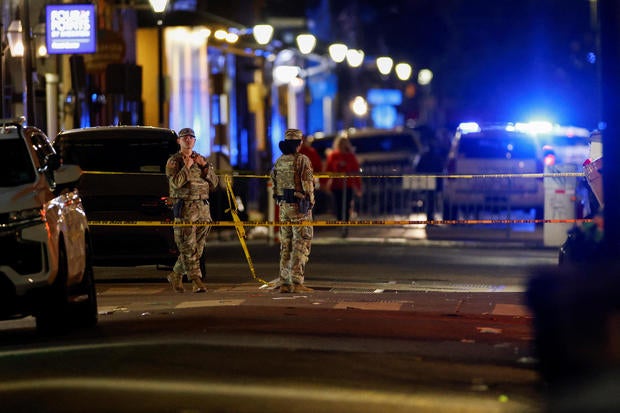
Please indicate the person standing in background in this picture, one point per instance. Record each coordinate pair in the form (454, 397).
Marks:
(190, 178)
(311, 153)
(317, 167)
(342, 160)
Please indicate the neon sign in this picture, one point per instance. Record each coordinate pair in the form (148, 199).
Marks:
(70, 28)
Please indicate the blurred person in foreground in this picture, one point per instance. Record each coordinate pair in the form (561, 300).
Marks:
(293, 189)
(342, 160)
(190, 178)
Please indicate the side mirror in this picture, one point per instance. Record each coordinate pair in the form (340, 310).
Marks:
(53, 162)
(66, 174)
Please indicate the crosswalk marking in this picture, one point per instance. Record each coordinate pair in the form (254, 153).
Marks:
(361, 305)
(209, 303)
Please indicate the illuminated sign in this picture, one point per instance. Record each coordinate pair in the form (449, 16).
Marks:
(385, 97)
(70, 28)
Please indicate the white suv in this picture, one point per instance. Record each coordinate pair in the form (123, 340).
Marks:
(505, 148)
(45, 267)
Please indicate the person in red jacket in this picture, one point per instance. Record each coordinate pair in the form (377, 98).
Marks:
(342, 160)
(307, 149)
(317, 167)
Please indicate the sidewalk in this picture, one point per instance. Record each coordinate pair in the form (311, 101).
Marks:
(447, 235)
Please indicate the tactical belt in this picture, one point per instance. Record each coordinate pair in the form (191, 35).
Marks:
(288, 196)
(281, 198)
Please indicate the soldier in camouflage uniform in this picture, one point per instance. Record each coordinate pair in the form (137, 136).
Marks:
(190, 178)
(293, 188)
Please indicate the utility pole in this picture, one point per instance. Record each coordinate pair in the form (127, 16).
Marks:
(28, 95)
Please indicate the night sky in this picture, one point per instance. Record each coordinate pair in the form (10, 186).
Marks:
(492, 59)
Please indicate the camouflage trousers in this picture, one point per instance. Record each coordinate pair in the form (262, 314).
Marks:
(191, 240)
(295, 242)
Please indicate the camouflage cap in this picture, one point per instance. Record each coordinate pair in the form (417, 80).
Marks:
(186, 131)
(293, 135)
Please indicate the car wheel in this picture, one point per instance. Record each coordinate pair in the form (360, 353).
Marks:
(53, 304)
(83, 309)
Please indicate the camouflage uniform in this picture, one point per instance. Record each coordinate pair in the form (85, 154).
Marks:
(295, 241)
(192, 186)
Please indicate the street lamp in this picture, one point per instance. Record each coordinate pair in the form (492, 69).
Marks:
(425, 76)
(403, 71)
(16, 40)
(159, 6)
(20, 43)
(338, 52)
(39, 41)
(359, 106)
(384, 64)
(355, 57)
(306, 43)
(262, 33)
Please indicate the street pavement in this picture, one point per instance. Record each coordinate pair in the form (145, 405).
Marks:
(361, 345)
(491, 313)
(469, 300)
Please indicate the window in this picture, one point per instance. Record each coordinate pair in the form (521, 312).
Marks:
(16, 167)
(117, 151)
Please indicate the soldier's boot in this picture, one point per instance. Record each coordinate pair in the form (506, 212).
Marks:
(286, 288)
(176, 281)
(198, 286)
(300, 288)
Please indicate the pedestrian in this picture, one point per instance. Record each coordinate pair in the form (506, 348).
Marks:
(342, 160)
(307, 149)
(312, 154)
(190, 178)
(293, 189)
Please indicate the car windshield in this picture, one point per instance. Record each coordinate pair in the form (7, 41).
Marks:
(16, 167)
(559, 141)
(371, 144)
(385, 143)
(116, 151)
(497, 145)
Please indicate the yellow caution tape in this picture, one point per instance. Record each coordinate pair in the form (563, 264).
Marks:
(341, 175)
(239, 225)
(232, 203)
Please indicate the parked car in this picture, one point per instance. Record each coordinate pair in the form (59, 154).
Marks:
(45, 265)
(124, 180)
(505, 148)
(384, 155)
(396, 149)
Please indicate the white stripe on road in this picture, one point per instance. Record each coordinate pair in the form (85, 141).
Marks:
(209, 303)
(363, 305)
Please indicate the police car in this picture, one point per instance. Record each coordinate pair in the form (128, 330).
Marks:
(500, 149)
